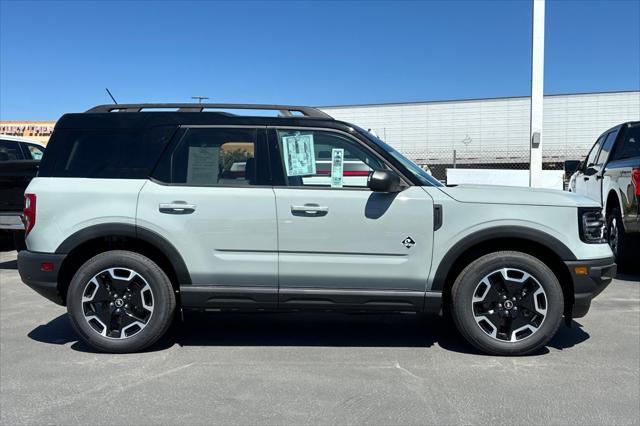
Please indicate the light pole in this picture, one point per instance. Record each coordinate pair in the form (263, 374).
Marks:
(537, 94)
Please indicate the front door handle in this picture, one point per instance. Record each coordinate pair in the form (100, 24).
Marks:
(177, 207)
(310, 209)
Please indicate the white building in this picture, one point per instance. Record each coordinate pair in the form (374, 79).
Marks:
(492, 130)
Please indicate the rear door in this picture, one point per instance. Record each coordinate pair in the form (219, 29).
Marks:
(341, 244)
(211, 197)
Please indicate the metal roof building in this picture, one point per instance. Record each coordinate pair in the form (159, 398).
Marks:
(493, 130)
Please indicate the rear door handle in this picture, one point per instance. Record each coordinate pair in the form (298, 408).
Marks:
(309, 210)
(177, 207)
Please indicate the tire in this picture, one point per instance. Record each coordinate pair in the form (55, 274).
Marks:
(18, 241)
(120, 301)
(478, 303)
(617, 238)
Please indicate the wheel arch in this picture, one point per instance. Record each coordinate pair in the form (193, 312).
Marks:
(612, 200)
(506, 238)
(86, 243)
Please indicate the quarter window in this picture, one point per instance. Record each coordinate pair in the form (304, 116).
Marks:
(313, 158)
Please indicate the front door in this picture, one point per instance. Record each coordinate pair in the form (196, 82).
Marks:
(212, 199)
(585, 178)
(340, 244)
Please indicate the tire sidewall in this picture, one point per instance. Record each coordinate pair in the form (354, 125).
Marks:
(465, 286)
(163, 299)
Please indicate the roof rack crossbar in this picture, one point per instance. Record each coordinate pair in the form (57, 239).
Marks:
(284, 110)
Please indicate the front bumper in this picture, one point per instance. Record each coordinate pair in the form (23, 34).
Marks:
(44, 282)
(600, 272)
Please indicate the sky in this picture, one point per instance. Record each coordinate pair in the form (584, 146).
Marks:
(58, 56)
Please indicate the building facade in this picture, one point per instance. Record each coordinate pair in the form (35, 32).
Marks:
(37, 130)
(490, 131)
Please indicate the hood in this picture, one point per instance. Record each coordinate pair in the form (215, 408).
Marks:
(495, 194)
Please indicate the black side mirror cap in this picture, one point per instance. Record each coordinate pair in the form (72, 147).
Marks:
(591, 171)
(384, 181)
(571, 166)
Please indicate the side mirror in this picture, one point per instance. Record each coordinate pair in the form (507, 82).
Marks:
(571, 166)
(590, 171)
(384, 181)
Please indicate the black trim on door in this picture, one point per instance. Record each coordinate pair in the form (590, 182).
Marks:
(308, 299)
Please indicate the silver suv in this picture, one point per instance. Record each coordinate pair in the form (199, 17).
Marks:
(137, 213)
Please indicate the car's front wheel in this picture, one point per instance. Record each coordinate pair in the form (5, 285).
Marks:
(507, 303)
(120, 301)
(617, 238)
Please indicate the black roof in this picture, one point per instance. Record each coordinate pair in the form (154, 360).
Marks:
(128, 116)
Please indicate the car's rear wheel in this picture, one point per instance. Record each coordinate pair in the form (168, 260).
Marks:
(120, 301)
(507, 303)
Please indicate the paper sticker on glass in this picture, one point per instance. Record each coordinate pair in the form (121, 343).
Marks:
(299, 155)
(337, 166)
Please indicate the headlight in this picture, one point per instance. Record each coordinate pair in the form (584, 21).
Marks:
(591, 225)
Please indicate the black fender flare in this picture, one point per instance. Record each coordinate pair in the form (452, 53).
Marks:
(498, 232)
(132, 231)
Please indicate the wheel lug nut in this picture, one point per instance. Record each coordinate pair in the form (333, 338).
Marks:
(111, 304)
(126, 306)
(504, 297)
(499, 305)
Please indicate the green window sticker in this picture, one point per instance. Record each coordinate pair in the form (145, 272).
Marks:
(337, 167)
(299, 155)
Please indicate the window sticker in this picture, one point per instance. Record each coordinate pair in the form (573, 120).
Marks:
(337, 166)
(202, 166)
(299, 154)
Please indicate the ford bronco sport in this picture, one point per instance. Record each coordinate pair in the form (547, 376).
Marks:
(138, 213)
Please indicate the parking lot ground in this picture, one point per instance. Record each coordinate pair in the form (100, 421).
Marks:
(316, 368)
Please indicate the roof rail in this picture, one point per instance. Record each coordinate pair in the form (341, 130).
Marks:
(285, 110)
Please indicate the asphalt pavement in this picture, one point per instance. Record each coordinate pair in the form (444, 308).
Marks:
(316, 369)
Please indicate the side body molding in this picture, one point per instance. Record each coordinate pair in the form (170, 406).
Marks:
(131, 231)
(500, 232)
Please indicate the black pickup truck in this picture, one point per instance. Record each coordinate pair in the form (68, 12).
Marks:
(19, 160)
(611, 175)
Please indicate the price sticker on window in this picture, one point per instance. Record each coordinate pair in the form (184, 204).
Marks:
(337, 167)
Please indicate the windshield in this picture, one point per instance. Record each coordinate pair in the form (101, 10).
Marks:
(424, 177)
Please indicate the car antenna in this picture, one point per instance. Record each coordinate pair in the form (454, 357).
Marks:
(110, 95)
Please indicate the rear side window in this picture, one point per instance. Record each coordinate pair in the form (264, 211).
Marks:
(215, 157)
(107, 154)
(10, 151)
(630, 144)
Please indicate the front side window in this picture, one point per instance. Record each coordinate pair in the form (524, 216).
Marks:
(593, 154)
(35, 151)
(9, 151)
(606, 148)
(316, 158)
(213, 157)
